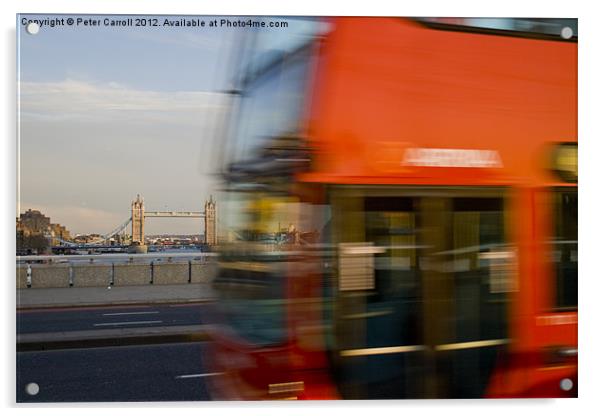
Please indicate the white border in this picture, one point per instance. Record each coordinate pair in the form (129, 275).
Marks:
(590, 207)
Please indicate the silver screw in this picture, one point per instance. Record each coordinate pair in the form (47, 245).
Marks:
(32, 28)
(32, 389)
(566, 384)
(566, 32)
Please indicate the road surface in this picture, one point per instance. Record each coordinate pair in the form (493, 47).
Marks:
(141, 361)
(95, 318)
(162, 372)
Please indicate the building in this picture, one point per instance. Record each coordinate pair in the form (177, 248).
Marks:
(36, 234)
(33, 221)
(59, 232)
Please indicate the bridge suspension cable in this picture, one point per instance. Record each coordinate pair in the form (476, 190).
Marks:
(115, 231)
(102, 238)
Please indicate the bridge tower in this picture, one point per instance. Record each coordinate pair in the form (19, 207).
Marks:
(138, 221)
(210, 219)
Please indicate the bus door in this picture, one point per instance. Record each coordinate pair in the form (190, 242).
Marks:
(421, 283)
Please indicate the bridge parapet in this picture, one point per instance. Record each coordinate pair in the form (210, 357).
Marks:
(114, 270)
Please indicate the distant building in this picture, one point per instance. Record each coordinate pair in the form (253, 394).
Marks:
(33, 221)
(59, 232)
(35, 233)
(87, 238)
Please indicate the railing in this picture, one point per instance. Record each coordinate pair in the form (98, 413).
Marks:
(104, 270)
(119, 256)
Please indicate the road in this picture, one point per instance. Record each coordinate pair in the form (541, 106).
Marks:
(93, 318)
(162, 372)
(141, 361)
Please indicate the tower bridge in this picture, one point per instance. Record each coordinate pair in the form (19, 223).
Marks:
(139, 216)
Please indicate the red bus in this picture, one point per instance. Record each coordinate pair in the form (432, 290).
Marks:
(401, 212)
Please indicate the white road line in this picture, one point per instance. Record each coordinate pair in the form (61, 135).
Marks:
(129, 313)
(199, 375)
(128, 323)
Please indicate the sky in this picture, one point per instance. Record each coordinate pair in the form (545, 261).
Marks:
(108, 113)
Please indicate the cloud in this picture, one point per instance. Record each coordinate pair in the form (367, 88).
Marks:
(103, 143)
(71, 100)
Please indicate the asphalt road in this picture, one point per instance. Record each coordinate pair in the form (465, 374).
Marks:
(162, 372)
(91, 318)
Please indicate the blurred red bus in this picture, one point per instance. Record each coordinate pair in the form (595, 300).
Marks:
(401, 204)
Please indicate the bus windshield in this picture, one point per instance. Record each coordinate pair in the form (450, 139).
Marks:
(272, 87)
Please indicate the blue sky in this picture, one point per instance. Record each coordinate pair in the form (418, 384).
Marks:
(161, 59)
(107, 113)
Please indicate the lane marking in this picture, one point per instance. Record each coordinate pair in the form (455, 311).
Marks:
(128, 323)
(199, 375)
(191, 304)
(52, 309)
(129, 313)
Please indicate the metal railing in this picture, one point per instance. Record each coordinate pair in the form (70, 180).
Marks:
(110, 261)
(115, 256)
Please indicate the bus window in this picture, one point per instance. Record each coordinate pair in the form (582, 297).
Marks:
(251, 299)
(259, 264)
(482, 277)
(564, 247)
(273, 88)
(430, 320)
(385, 315)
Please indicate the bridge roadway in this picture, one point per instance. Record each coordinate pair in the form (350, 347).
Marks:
(157, 372)
(61, 320)
(58, 317)
(149, 349)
